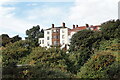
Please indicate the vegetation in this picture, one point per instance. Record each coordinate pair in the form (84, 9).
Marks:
(92, 55)
(33, 35)
(14, 51)
(103, 64)
(6, 39)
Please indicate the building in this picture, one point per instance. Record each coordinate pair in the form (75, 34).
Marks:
(55, 36)
(60, 36)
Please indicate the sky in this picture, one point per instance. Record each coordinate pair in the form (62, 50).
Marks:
(17, 16)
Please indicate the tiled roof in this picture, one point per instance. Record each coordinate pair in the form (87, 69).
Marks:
(77, 29)
(95, 28)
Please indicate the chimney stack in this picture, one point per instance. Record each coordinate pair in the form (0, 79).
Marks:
(52, 25)
(76, 25)
(73, 26)
(87, 25)
(63, 24)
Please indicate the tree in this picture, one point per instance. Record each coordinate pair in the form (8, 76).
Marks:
(85, 39)
(37, 72)
(77, 59)
(52, 58)
(41, 71)
(104, 63)
(33, 35)
(100, 65)
(111, 29)
(15, 38)
(14, 51)
(83, 45)
(5, 39)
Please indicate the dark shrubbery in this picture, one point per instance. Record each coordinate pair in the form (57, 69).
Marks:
(92, 54)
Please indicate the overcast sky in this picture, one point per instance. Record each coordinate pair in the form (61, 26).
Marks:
(18, 16)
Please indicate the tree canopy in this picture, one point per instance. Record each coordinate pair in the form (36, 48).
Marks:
(14, 51)
(103, 64)
(5, 39)
(33, 34)
(92, 55)
(85, 39)
(111, 29)
(15, 38)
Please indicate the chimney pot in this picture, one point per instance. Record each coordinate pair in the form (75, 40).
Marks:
(73, 26)
(87, 25)
(52, 25)
(76, 25)
(63, 24)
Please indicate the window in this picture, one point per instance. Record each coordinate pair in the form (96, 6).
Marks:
(47, 32)
(47, 38)
(48, 44)
(63, 36)
(63, 42)
(56, 37)
(42, 41)
(57, 31)
(55, 43)
(53, 30)
(62, 31)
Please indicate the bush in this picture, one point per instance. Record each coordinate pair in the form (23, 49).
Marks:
(14, 51)
(101, 65)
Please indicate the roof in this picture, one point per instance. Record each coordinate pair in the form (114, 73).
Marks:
(56, 27)
(95, 28)
(77, 29)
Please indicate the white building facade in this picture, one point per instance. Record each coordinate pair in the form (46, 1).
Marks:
(55, 36)
(60, 36)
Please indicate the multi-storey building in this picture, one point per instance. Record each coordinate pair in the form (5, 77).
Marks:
(60, 36)
(55, 36)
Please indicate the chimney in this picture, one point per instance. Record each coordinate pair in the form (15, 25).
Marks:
(87, 25)
(63, 24)
(52, 25)
(73, 26)
(76, 25)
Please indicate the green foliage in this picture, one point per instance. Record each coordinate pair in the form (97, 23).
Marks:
(47, 72)
(33, 35)
(99, 66)
(82, 47)
(110, 45)
(37, 72)
(5, 39)
(93, 54)
(77, 59)
(52, 57)
(111, 29)
(14, 51)
(86, 43)
(103, 64)
(85, 39)
(15, 38)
